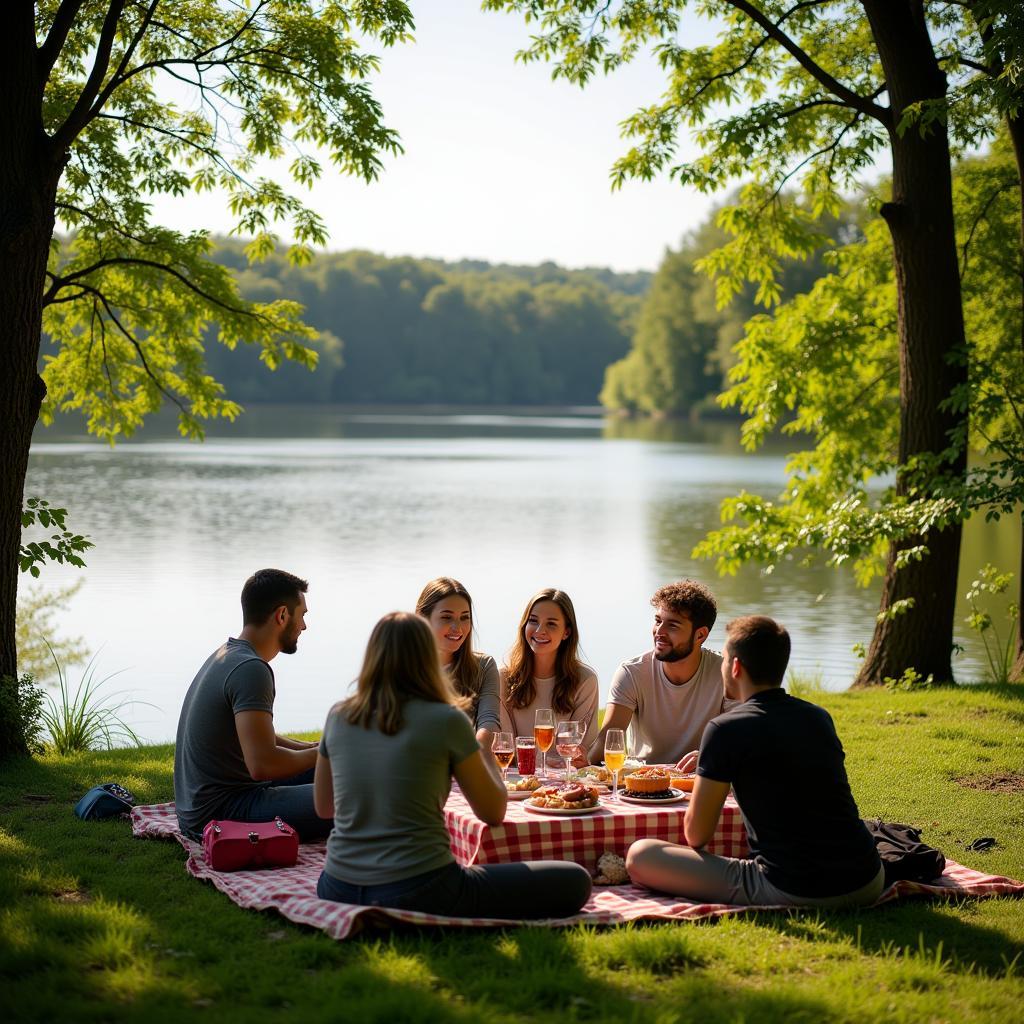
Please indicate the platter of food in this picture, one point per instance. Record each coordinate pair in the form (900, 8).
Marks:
(571, 798)
(673, 796)
(521, 787)
(651, 785)
(567, 811)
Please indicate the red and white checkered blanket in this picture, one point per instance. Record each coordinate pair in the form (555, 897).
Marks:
(292, 891)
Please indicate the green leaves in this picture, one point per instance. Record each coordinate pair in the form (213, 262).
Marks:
(62, 546)
(192, 97)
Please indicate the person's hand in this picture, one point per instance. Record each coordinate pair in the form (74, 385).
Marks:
(688, 763)
(580, 761)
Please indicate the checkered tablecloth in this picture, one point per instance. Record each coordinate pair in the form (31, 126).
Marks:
(527, 835)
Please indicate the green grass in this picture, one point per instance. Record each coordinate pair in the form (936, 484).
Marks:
(96, 926)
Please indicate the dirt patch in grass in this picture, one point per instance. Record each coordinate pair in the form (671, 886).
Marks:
(996, 782)
(71, 896)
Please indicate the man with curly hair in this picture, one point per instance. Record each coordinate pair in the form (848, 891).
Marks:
(667, 696)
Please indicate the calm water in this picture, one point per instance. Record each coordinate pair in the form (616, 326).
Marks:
(368, 507)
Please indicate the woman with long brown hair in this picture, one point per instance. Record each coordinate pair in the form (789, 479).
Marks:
(384, 771)
(544, 669)
(446, 605)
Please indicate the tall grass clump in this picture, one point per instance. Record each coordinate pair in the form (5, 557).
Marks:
(805, 684)
(85, 720)
(999, 651)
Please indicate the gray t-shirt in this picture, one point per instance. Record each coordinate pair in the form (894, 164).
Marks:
(208, 762)
(389, 792)
(668, 718)
(487, 710)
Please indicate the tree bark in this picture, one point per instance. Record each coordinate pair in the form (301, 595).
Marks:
(28, 184)
(1015, 126)
(931, 342)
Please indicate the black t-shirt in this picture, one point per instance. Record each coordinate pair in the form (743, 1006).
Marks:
(785, 763)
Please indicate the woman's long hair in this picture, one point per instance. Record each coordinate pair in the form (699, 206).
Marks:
(465, 665)
(400, 664)
(568, 668)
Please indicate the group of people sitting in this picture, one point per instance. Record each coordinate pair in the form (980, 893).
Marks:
(426, 708)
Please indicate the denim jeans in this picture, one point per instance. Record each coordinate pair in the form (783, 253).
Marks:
(520, 891)
(289, 799)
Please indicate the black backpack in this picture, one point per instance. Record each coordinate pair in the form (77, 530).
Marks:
(903, 855)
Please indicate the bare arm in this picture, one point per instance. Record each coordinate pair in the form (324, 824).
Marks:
(264, 759)
(478, 779)
(323, 788)
(616, 716)
(289, 744)
(705, 808)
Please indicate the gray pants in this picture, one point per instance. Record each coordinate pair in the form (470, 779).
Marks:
(525, 890)
(706, 878)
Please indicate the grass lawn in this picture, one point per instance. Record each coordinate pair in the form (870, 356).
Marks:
(97, 926)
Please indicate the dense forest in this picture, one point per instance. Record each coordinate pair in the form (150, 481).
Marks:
(403, 330)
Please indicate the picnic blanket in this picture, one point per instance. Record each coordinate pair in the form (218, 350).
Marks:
(292, 891)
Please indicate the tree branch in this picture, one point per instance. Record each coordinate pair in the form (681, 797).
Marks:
(833, 85)
(1009, 186)
(114, 261)
(48, 53)
(134, 342)
(79, 115)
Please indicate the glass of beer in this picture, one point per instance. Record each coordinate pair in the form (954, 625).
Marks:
(544, 734)
(526, 755)
(503, 752)
(615, 756)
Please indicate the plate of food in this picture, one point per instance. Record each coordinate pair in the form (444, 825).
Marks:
(683, 782)
(571, 798)
(650, 785)
(520, 787)
(672, 796)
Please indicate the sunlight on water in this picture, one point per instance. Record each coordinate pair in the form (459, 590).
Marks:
(369, 506)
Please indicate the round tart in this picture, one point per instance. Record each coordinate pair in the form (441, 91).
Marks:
(647, 781)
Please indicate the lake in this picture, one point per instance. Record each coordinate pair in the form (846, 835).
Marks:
(369, 506)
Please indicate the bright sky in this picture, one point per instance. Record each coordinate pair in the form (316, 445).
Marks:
(501, 163)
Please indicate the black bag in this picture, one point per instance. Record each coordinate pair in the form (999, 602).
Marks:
(903, 855)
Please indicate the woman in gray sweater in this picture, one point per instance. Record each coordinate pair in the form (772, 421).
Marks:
(384, 770)
(445, 603)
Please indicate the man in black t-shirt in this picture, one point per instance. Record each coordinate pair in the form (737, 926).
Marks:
(784, 761)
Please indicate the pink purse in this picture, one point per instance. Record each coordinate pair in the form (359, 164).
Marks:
(234, 845)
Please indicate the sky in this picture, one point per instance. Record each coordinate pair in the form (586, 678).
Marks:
(501, 163)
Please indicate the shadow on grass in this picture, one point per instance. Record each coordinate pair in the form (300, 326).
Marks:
(915, 927)
(585, 974)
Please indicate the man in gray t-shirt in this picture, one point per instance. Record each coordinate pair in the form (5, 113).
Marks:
(667, 696)
(229, 763)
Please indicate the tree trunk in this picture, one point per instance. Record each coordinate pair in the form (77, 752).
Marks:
(931, 341)
(1015, 125)
(28, 182)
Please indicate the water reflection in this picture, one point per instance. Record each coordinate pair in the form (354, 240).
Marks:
(370, 505)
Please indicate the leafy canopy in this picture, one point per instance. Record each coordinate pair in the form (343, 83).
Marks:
(151, 98)
(824, 367)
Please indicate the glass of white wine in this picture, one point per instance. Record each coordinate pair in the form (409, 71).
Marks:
(503, 750)
(615, 756)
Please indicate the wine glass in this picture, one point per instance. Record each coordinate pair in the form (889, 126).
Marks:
(568, 740)
(615, 756)
(503, 750)
(544, 733)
